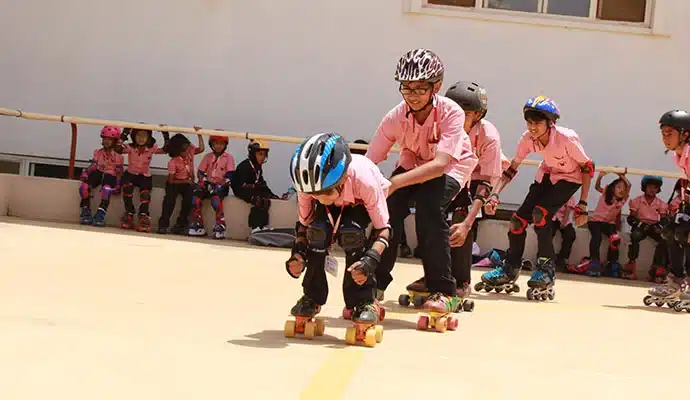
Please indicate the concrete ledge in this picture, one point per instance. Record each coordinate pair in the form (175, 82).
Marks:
(5, 189)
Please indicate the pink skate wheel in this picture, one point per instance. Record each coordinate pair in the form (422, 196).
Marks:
(423, 322)
(347, 313)
(453, 323)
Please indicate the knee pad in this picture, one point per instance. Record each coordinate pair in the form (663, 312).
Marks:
(319, 234)
(351, 237)
(145, 196)
(106, 190)
(614, 241)
(517, 224)
(459, 215)
(196, 201)
(84, 190)
(217, 203)
(539, 216)
(128, 190)
(636, 235)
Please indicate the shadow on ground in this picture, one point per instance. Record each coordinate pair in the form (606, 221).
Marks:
(275, 339)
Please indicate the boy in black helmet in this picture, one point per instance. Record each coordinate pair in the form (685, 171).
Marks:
(248, 184)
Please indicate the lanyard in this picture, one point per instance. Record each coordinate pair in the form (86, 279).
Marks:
(256, 174)
(435, 131)
(337, 222)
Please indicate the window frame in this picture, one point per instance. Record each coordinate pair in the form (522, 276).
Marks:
(651, 26)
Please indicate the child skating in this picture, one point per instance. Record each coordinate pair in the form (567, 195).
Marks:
(565, 168)
(338, 195)
(105, 171)
(436, 162)
(138, 174)
(675, 134)
(646, 212)
(215, 175)
(606, 220)
(486, 144)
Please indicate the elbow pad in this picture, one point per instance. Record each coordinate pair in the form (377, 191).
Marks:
(588, 168)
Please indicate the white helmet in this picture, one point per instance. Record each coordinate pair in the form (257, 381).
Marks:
(419, 65)
(320, 163)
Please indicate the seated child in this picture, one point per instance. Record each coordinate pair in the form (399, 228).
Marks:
(561, 222)
(105, 171)
(215, 175)
(138, 174)
(180, 181)
(249, 185)
(646, 211)
(606, 221)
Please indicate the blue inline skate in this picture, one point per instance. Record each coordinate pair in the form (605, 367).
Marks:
(85, 217)
(499, 279)
(542, 281)
(99, 218)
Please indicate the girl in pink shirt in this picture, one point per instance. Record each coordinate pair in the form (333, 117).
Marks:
(564, 169)
(561, 222)
(104, 171)
(606, 220)
(436, 162)
(180, 182)
(138, 174)
(675, 134)
(338, 195)
(215, 174)
(646, 212)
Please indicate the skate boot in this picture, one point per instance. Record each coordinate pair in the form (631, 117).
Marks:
(144, 223)
(463, 292)
(405, 251)
(99, 218)
(499, 279)
(304, 312)
(612, 269)
(219, 231)
(439, 307)
(127, 221)
(629, 271)
(365, 319)
(416, 294)
(542, 281)
(347, 312)
(594, 269)
(196, 229)
(85, 217)
(668, 293)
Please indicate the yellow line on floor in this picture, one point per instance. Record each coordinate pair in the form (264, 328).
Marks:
(331, 380)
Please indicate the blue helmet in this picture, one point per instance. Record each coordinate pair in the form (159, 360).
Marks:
(653, 179)
(320, 163)
(543, 105)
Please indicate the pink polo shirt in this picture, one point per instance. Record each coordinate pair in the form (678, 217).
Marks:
(683, 161)
(139, 159)
(108, 161)
(179, 168)
(674, 206)
(188, 156)
(563, 155)
(217, 167)
(560, 215)
(417, 142)
(648, 212)
(364, 184)
(607, 213)
(486, 143)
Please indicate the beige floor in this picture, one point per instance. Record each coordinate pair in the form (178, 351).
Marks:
(96, 314)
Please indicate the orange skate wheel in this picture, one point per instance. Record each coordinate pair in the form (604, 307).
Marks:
(379, 333)
(351, 335)
(289, 328)
(310, 330)
(320, 327)
(441, 324)
(370, 338)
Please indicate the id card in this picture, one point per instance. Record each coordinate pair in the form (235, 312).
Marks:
(332, 265)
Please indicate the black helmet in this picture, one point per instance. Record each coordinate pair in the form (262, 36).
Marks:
(678, 119)
(470, 96)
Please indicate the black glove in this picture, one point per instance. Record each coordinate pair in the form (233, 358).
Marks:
(633, 222)
(298, 247)
(369, 262)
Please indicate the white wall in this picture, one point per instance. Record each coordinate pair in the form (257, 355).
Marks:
(299, 67)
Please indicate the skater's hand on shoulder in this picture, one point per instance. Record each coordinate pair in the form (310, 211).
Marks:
(458, 234)
(358, 274)
(295, 265)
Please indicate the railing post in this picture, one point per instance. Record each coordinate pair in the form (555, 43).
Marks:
(72, 152)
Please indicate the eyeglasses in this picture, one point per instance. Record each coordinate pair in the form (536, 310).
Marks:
(420, 91)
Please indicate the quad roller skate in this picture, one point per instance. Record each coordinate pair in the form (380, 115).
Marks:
(347, 312)
(127, 221)
(85, 217)
(612, 269)
(417, 294)
(581, 267)
(365, 319)
(629, 271)
(594, 268)
(196, 229)
(99, 218)
(542, 281)
(498, 280)
(667, 294)
(305, 322)
(438, 308)
(144, 223)
(219, 231)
